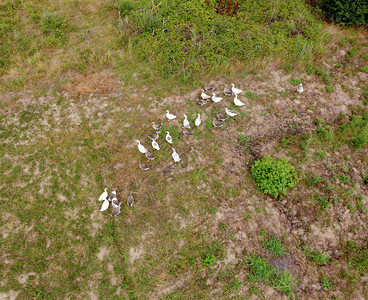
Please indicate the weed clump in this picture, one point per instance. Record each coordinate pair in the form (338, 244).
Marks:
(318, 258)
(274, 176)
(275, 246)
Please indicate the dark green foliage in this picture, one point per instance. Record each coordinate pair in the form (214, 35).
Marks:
(275, 246)
(261, 270)
(274, 176)
(318, 258)
(208, 260)
(184, 36)
(346, 12)
(324, 202)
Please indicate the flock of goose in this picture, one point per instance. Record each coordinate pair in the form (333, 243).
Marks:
(186, 126)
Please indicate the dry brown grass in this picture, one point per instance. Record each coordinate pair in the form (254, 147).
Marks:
(81, 85)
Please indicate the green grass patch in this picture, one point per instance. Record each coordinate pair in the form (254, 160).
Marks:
(275, 246)
(317, 257)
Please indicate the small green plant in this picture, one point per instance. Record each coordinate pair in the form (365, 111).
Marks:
(275, 246)
(351, 52)
(274, 176)
(324, 202)
(261, 270)
(234, 285)
(208, 260)
(329, 89)
(318, 258)
(54, 26)
(295, 81)
(243, 139)
(325, 282)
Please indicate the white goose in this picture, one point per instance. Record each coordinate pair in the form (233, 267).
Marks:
(186, 122)
(170, 116)
(141, 148)
(237, 102)
(300, 89)
(105, 205)
(235, 90)
(204, 95)
(198, 121)
(175, 156)
(103, 196)
(168, 137)
(216, 99)
(155, 145)
(230, 113)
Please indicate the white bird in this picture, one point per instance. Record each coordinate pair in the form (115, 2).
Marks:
(216, 99)
(204, 95)
(168, 137)
(170, 116)
(175, 156)
(300, 89)
(186, 122)
(235, 90)
(103, 196)
(237, 102)
(105, 205)
(141, 148)
(198, 121)
(155, 145)
(230, 113)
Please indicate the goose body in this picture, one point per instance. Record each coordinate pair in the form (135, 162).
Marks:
(144, 167)
(204, 95)
(201, 101)
(114, 202)
(112, 195)
(168, 137)
(170, 116)
(198, 121)
(105, 205)
(150, 156)
(221, 117)
(208, 88)
(186, 122)
(237, 102)
(155, 145)
(235, 90)
(141, 148)
(116, 210)
(230, 113)
(175, 156)
(130, 200)
(103, 196)
(186, 132)
(156, 126)
(217, 123)
(300, 89)
(216, 99)
(227, 91)
(153, 137)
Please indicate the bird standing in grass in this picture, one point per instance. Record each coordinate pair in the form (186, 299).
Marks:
(105, 205)
(205, 96)
(112, 195)
(130, 200)
(198, 121)
(217, 123)
(156, 126)
(237, 102)
(149, 155)
(153, 137)
(227, 91)
(141, 148)
(155, 145)
(208, 88)
(175, 156)
(103, 196)
(144, 167)
(201, 101)
(170, 116)
(186, 132)
(186, 122)
(221, 117)
(116, 210)
(230, 113)
(235, 90)
(300, 89)
(216, 99)
(168, 137)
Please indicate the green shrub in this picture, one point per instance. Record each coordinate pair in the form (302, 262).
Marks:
(274, 176)
(208, 260)
(346, 12)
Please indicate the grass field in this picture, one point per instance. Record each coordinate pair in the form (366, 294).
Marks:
(76, 94)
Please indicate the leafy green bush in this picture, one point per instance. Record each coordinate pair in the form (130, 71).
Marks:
(346, 12)
(185, 36)
(274, 176)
